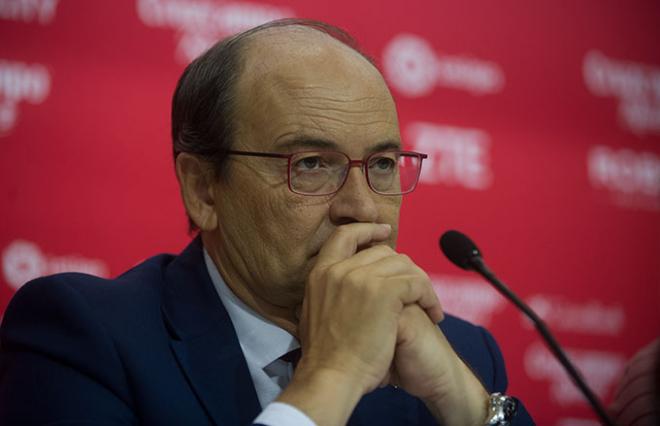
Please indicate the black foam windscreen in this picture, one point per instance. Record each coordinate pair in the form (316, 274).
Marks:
(459, 248)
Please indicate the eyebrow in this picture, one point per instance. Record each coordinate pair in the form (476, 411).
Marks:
(325, 144)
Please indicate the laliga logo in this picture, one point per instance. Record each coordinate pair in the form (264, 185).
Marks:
(23, 261)
(413, 68)
(457, 156)
(592, 317)
(200, 23)
(636, 86)
(600, 370)
(20, 82)
(474, 300)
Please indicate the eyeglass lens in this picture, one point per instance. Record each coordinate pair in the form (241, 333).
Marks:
(324, 172)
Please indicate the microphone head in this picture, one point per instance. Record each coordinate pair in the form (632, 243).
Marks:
(459, 249)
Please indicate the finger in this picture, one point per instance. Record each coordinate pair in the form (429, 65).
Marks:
(434, 313)
(416, 289)
(344, 242)
(370, 259)
(381, 261)
(389, 265)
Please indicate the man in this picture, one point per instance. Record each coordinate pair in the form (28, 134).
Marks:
(289, 160)
(637, 397)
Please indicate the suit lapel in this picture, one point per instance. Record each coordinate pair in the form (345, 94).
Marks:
(204, 341)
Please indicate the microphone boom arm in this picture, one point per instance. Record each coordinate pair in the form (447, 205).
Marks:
(477, 264)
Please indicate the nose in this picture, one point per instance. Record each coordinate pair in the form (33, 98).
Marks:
(355, 201)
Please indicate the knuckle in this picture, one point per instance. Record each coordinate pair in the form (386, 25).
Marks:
(359, 282)
(354, 278)
(334, 273)
(403, 260)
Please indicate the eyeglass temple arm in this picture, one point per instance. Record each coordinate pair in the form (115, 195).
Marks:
(257, 154)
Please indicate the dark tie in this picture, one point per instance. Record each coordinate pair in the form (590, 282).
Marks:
(292, 357)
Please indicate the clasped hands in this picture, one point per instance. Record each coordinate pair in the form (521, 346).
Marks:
(368, 319)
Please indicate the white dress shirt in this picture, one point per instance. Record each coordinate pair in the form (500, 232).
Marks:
(262, 343)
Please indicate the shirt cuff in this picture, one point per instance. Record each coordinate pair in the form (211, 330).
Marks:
(280, 414)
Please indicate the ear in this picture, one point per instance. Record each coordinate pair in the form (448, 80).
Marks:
(196, 181)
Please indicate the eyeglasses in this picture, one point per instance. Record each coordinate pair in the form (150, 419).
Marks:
(325, 172)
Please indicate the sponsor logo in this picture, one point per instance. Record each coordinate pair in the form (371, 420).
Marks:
(20, 82)
(631, 178)
(414, 69)
(23, 261)
(599, 369)
(41, 11)
(636, 86)
(469, 298)
(200, 23)
(457, 156)
(592, 317)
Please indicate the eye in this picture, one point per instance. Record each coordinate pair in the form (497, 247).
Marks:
(382, 164)
(309, 163)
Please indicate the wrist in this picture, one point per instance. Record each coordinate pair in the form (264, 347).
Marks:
(466, 403)
(467, 410)
(326, 396)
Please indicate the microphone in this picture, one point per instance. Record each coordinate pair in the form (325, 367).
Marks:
(462, 252)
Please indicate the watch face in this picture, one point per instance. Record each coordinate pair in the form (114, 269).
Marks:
(501, 409)
(509, 407)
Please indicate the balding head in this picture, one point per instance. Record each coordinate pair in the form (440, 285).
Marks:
(294, 69)
(295, 46)
(204, 106)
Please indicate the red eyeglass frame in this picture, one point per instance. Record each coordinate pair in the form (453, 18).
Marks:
(351, 163)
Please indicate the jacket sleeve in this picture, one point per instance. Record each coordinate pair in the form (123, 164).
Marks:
(57, 363)
(500, 381)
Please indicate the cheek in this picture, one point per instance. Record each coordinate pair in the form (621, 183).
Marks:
(292, 221)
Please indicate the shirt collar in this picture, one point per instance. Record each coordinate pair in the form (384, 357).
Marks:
(261, 340)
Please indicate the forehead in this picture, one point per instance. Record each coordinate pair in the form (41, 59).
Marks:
(301, 84)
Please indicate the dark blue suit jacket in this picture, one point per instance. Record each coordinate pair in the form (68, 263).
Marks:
(155, 346)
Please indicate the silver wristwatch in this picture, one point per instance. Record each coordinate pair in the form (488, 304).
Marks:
(501, 409)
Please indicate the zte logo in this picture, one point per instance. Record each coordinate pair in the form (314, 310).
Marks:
(457, 156)
(414, 69)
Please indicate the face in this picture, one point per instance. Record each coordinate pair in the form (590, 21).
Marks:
(311, 95)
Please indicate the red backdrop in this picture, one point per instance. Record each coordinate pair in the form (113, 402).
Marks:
(541, 121)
